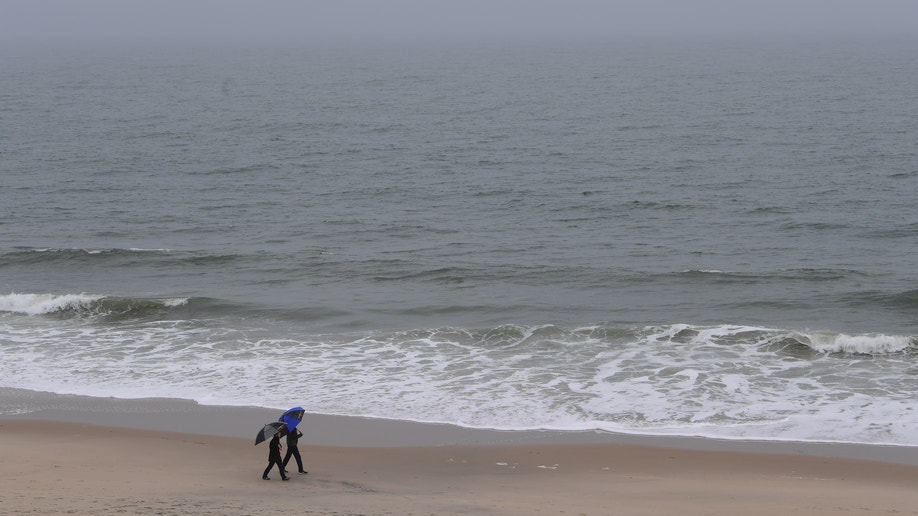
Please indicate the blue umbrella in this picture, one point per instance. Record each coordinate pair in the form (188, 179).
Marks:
(292, 417)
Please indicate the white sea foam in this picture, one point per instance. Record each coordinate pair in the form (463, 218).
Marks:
(721, 381)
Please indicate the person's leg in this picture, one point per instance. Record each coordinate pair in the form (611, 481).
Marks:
(265, 474)
(280, 467)
(299, 460)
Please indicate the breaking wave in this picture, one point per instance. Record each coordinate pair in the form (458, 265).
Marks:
(865, 344)
(68, 306)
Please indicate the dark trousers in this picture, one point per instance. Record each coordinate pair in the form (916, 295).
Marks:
(271, 462)
(295, 452)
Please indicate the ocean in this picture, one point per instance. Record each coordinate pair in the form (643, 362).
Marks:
(702, 237)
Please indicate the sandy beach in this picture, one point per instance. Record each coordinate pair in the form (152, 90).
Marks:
(107, 456)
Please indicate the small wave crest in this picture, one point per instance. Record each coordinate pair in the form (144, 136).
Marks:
(907, 299)
(46, 254)
(87, 306)
(40, 304)
(128, 257)
(864, 344)
(803, 274)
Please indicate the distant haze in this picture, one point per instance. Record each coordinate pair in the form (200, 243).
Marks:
(27, 22)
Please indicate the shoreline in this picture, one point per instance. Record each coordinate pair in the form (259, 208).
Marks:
(188, 416)
(82, 455)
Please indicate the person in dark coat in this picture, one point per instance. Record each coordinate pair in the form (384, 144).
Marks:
(293, 451)
(274, 457)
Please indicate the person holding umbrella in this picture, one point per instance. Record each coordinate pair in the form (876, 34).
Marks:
(293, 450)
(274, 457)
(291, 419)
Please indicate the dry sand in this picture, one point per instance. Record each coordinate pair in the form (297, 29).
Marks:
(51, 463)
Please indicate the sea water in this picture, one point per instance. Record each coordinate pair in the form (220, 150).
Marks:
(699, 237)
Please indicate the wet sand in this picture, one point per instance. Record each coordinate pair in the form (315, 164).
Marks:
(79, 455)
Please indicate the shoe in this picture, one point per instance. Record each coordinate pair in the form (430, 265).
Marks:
(285, 479)
(265, 478)
(303, 472)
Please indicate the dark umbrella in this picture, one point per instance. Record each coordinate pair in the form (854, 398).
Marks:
(292, 417)
(269, 430)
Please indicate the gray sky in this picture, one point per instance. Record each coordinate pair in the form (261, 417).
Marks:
(110, 21)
